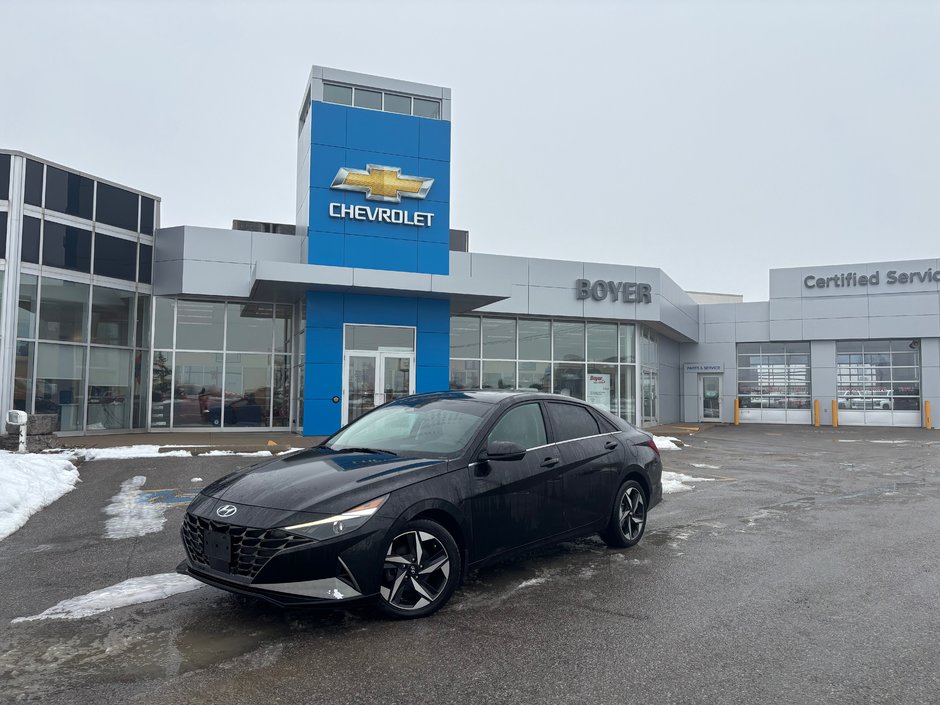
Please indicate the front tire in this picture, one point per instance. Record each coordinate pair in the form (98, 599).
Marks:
(628, 517)
(420, 571)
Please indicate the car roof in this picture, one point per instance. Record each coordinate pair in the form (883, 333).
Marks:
(493, 396)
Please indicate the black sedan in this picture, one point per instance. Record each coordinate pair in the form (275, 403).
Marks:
(402, 501)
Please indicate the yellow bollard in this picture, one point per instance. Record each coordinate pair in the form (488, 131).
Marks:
(927, 421)
(816, 413)
(737, 411)
(835, 414)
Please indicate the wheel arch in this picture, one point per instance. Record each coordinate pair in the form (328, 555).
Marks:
(445, 514)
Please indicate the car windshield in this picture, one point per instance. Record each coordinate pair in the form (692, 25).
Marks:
(434, 427)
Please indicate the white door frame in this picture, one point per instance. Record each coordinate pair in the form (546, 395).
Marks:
(701, 398)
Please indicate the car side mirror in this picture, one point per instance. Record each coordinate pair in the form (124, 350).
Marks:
(504, 450)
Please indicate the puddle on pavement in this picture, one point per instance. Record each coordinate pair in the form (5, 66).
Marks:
(50, 656)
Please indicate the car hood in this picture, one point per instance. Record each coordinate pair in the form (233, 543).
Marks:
(322, 480)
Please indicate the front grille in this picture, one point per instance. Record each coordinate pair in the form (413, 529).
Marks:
(251, 548)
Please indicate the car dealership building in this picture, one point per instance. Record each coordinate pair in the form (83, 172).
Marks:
(111, 321)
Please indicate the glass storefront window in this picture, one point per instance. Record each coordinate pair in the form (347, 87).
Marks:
(535, 375)
(247, 399)
(111, 314)
(498, 375)
(535, 340)
(250, 327)
(569, 380)
(464, 336)
(283, 320)
(28, 306)
(197, 387)
(23, 377)
(379, 338)
(627, 342)
(161, 390)
(627, 393)
(281, 399)
(60, 383)
(163, 322)
(109, 388)
(200, 325)
(569, 341)
(464, 374)
(63, 310)
(142, 336)
(499, 338)
(602, 342)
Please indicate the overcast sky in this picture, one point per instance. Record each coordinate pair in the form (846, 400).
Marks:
(712, 139)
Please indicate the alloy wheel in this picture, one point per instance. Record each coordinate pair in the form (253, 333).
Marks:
(632, 513)
(416, 570)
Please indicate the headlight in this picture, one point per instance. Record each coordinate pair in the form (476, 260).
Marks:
(339, 524)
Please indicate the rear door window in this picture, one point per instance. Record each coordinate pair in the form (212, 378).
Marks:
(523, 425)
(571, 421)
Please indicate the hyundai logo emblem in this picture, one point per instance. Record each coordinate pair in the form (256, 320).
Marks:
(226, 510)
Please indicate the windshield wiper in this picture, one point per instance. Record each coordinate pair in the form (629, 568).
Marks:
(362, 450)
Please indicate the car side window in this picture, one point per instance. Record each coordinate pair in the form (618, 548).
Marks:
(523, 425)
(571, 421)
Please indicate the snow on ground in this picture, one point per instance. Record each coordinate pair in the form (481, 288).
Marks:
(678, 482)
(705, 466)
(131, 515)
(130, 592)
(531, 582)
(667, 442)
(153, 451)
(29, 482)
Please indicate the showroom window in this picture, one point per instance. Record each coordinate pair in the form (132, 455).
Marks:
(878, 375)
(774, 376)
(30, 243)
(3, 234)
(574, 358)
(69, 193)
(115, 257)
(5, 162)
(66, 247)
(116, 207)
(229, 368)
(32, 193)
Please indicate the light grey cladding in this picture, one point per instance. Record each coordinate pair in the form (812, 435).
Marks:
(554, 273)
(823, 361)
(669, 391)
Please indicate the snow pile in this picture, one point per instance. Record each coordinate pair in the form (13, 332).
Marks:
(125, 452)
(667, 442)
(131, 514)
(130, 592)
(677, 482)
(29, 482)
(244, 454)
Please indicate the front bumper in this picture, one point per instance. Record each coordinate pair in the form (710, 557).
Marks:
(279, 566)
(304, 593)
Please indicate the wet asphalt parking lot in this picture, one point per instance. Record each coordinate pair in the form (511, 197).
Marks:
(805, 571)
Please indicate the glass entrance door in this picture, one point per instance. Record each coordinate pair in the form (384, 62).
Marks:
(374, 378)
(649, 382)
(710, 398)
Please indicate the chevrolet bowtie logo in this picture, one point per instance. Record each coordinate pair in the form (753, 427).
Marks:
(381, 183)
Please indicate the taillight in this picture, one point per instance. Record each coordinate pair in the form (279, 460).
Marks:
(650, 443)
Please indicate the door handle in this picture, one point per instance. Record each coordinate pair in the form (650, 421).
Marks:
(610, 445)
(550, 462)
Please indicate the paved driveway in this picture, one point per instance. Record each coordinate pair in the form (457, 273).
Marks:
(805, 571)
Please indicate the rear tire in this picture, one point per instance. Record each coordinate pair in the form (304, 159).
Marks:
(420, 571)
(628, 517)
